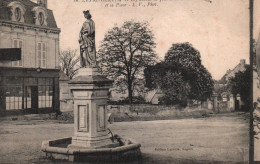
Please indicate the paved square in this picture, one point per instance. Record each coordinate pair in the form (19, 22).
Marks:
(222, 138)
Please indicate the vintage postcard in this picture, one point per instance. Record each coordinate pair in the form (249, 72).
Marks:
(126, 81)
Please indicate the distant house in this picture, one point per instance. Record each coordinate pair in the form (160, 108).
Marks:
(231, 73)
(154, 96)
(220, 87)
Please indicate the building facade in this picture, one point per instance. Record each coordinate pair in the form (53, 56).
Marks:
(240, 67)
(29, 85)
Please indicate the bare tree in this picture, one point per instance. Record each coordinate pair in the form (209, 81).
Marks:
(69, 62)
(124, 53)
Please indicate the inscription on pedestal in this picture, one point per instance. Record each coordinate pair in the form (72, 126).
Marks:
(83, 115)
(101, 118)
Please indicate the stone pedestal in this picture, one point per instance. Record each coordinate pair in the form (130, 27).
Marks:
(89, 91)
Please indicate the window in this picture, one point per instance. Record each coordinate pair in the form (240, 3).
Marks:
(18, 14)
(17, 43)
(14, 93)
(41, 51)
(41, 18)
(45, 92)
(17, 11)
(40, 15)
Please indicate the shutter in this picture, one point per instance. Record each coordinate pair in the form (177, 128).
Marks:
(15, 63)
(15, 44)
(39, 54)
(21, 46)
(43, 55)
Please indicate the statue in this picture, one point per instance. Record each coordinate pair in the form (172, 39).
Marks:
(87, 42)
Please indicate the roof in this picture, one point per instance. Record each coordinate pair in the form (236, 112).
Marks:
(28, 16)
(223, 79)
(151, 94)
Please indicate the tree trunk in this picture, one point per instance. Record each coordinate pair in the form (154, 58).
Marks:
(130, 94)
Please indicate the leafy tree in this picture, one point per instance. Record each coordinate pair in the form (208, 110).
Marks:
(68, 62)
(175, 89)
(240, 84)
(188, 60)
(124, 53)
(184, 60)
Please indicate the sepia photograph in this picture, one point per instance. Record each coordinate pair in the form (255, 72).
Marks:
(129, 81)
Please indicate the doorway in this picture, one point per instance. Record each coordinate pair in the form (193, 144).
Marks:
(31, 98)
(34, 99)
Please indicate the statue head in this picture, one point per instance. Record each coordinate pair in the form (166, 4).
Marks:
(87, 15)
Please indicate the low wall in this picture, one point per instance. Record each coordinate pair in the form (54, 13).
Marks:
(66, 105)
(147, 112)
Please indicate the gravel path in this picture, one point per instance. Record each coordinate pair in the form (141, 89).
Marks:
(222, 138)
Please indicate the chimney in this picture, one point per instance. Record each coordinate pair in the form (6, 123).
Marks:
(42, 3)
(243, 62)
(228, 71)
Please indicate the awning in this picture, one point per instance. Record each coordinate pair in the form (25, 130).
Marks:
(11, 54)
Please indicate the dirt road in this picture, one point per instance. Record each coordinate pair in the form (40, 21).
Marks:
(222, 138)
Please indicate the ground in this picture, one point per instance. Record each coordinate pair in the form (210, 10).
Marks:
(219, 138)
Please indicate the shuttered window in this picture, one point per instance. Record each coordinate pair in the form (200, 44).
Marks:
(41, 51)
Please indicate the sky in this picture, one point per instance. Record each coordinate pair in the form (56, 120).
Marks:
(219, 30)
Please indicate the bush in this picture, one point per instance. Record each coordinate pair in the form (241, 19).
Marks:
(135, 100)
(165, 100)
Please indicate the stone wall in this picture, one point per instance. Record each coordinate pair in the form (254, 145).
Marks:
(66, 104)
(226, 104)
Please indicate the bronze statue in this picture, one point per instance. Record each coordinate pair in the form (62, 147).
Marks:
(87, 42)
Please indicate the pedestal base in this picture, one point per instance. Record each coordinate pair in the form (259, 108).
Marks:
(59, 149)
(94, 142)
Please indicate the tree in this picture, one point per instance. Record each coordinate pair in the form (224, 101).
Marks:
(175, 89)
(184, 60)
(188, 60)
(240, 84)
(68, 62)
(124, 53)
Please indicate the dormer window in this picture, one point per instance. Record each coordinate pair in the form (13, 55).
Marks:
(18, 14)
(17, 11)
(40, 16)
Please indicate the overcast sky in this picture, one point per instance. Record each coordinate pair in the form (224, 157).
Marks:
(219, 30)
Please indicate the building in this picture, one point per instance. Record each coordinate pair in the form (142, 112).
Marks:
(231, 73)
(221, 90)
(29, 85)
(154, 96)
